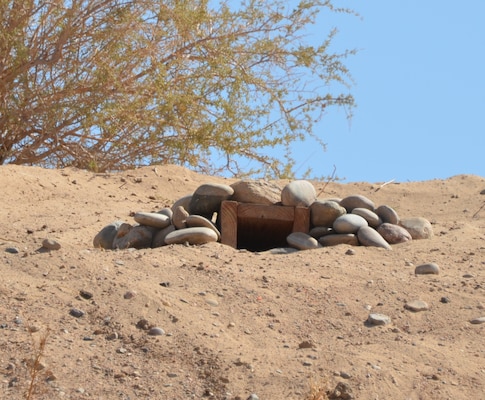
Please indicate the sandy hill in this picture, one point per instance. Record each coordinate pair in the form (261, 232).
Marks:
(235, 323)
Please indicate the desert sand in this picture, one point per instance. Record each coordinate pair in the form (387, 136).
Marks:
(236, 323)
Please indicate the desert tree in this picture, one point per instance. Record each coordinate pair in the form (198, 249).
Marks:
(114, 84)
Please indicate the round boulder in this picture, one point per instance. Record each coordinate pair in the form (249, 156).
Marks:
(104, 238)
(325, 212)
(298, 193)
(370, 237)
(207, 199)
(335, 239)
(198, 235)
(256, 192)
(357, 201)
(418, 227)
(138, 237)
(394, 234)
(349, 223)
(371, 217)
(302, 241)
(387, 214)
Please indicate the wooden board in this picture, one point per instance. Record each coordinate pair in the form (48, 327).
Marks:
(235, 216)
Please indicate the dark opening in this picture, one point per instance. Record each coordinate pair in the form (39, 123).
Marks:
(262, 234)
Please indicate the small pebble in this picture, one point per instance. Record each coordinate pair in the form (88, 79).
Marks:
(12, 250)
(378, 319)
(75, 312)
(425, 269)
(476, 321)
(156, 331)
(51, 244)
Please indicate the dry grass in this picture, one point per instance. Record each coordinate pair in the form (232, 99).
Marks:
(35, 366)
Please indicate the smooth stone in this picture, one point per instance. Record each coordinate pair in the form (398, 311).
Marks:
(179, 218)
(349, 223)
(256, 192)
(12, 250)
(166, 211)
(370, 237)
(370, 216)
(154, 220)
(302, 241)
(282, 250)
(479, 320)
(378, 319)
(155, 331)
(105, 237)
(76, 312)
(198, 235)
(357, 201)
(339, 238)
(394, 234)
(426, 269)
(51, 244)
(158, 239)
(298, 193)
(182, 202)
(194, 221)
(318, 231)
(207, 199)
(418, 227)
(325, 212)
(416, 306)
(387, 214)
(138, 237)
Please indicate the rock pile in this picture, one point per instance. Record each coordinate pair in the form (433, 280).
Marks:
(195, 219)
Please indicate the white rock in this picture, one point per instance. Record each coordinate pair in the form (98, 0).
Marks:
(370, 237)
(155, 220)
(199, 235)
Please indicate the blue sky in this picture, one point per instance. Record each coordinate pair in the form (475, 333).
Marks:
(420, 92)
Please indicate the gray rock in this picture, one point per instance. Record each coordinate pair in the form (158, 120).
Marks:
(378, 319)
(479, 320)
(138, 237)
(199, 235)
(183, 202)
(418, 227)
(370, 237)
(416, 306)
(387, 214)
(298, 193)
(349, 223)
(427, 269)
(318, 231)
(155, 331)
(341, 238)
(12, 250)
(194, 221)
(51, 244)
(325, 212)
(207, 199)
(394, 234)
(370, 216)
(357, 201)
(166, 211)
(179, 218)
(158, 239)
(154, 220)
(104, 238)
(256, 192)
(302, 241)
(282, 250)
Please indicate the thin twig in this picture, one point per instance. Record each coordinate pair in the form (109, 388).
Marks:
(10, 240)
(331, 179)
(384, 184)
(480, 209)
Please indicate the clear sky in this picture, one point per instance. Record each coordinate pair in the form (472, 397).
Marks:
(419, 88)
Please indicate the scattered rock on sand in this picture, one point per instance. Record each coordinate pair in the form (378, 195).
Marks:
(429, 268)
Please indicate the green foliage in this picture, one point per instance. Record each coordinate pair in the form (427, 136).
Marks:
(112, 84)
